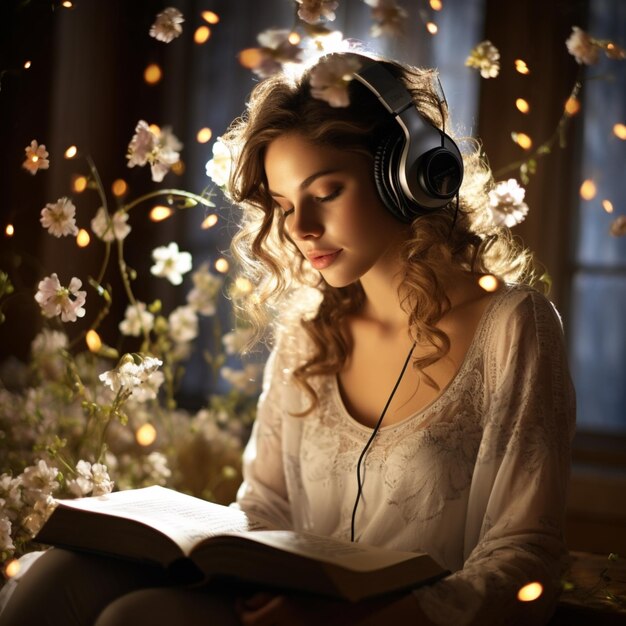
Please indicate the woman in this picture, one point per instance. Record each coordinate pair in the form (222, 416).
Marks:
(404, 405)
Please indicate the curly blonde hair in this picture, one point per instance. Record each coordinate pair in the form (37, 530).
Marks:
(462, 234)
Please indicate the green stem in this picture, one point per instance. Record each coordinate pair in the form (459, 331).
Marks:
(98, 181)
(167, 192)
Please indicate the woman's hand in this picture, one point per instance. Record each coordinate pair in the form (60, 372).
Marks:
(265, 609)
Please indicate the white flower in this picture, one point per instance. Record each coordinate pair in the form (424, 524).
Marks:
(183, 323)
(275, 51)
(389, 17)
(48, 342)
(206, 289)
(312, 11)
(92, 479)
(248, 380)
(236, 340)
(54, 299)
(582, 47)
(485, 57)
(507, 204)
(167, 25)
(59, 218)
(108, 227)
(170, 263)
(40, 478)
(36, 158)
(11, 496)
(6, 542)
(158, 147)
(149, 389)
(218, 168)
(132, 372)
(618, 227)
(330, 79)
(137, 320)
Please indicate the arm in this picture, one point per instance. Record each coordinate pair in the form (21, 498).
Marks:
(513, 532)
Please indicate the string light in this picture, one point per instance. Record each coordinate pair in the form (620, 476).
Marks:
(436, 5)
(27, 65)
(530, 592)
(82, 238)
(572, 106)
(294, 38)
(619, 130)
(432, 28)
(71, 152)
(221, 265)
(588, 190)
(160, 213)
(607, 205)
(522, 105)
(209, 221)
(210, 17)
(522, 140)
(119, 187)
(202, 34)
(204, 135)
(146, 434)
(93, 341)
(488, 282)
(11, 568)
(9, 231)
(79, 184)
(521, 66)
(152, 74)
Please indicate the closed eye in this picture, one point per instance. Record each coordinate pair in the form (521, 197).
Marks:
(330, 196)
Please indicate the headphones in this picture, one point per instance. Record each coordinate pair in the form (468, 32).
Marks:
(419, 169)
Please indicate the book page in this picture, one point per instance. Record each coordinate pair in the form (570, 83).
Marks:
(185, 519)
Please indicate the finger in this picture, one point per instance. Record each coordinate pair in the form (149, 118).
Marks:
(267, 615)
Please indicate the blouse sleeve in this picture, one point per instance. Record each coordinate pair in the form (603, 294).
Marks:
(263, 493)
(515, 515)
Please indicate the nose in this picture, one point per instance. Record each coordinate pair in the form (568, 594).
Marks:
(305, 222)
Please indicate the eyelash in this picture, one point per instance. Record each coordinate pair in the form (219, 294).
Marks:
(329, 198)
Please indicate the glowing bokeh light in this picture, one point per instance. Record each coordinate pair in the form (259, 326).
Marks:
(210, 17)
(250, 57)
(93, 341)
(209, 221)
(619, 130)
(82, 238)
(146, 435)
(179, 167)
(67, 4)
(294, 38)
(432, 28)
(522, 105)
(588, 190)
(119, 187)
(572, 106)
(155, 128)
(530, 592)
(488, 282)
(243, 285)
(204, 135)
(521, 67)
(607, 205)
(79, 184)
(436, 5)
(202, 34)
(11, 568)
(28, 65)
(152, 74)
(221, 265)
(9, 231)
(71, 152)
(523, 141)
(159, 213)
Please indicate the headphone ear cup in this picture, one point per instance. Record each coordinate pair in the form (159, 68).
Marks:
(385, 168)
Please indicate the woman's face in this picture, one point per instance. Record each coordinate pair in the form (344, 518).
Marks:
(332, 209)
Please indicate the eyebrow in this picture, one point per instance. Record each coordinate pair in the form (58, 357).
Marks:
(307, 182)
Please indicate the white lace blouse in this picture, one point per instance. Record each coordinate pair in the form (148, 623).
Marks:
(477, 478)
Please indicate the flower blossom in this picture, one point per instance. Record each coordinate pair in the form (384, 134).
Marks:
(167, 25)
(247, 380)
(54, 299)
(6, 542)
(218, 168)
(132, 372)
(618, 227)
(202, 298)
(36, 158)
(59, 218)
(91, 480)
(40, 478)
(170, 263)
(486, 58)
(275, 50)
(330, 79)
(183, 323)
(137, 320)
(158, 147)
(313, 11)
(507, 205)
(389, 17)
(109, 227)
(582, 47)
(48, 342)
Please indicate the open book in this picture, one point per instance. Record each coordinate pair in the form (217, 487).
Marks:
(199, 540)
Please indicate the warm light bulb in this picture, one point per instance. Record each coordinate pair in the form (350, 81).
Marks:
(210, 17)
(202, 34)
(436, 5)
(588, 190)
(488, 282)
(152, 74)
(209, 221)
(221, 265)
(11, 568)
(160, 213)
(79, 184)
(27, 65)
(521, 66)
(93, 341)
(607, 205)
(204, 135)
(146, 435)
(250, 57)
(522, 105)
(572, 106)
(71, 152)
(294, 38)
(432, 28)
(523, 140)
(530, 592)
(619, 130)
(82, 238)
(119, 187)
(9, 231)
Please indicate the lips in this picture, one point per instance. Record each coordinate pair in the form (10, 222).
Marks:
(321, 259)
